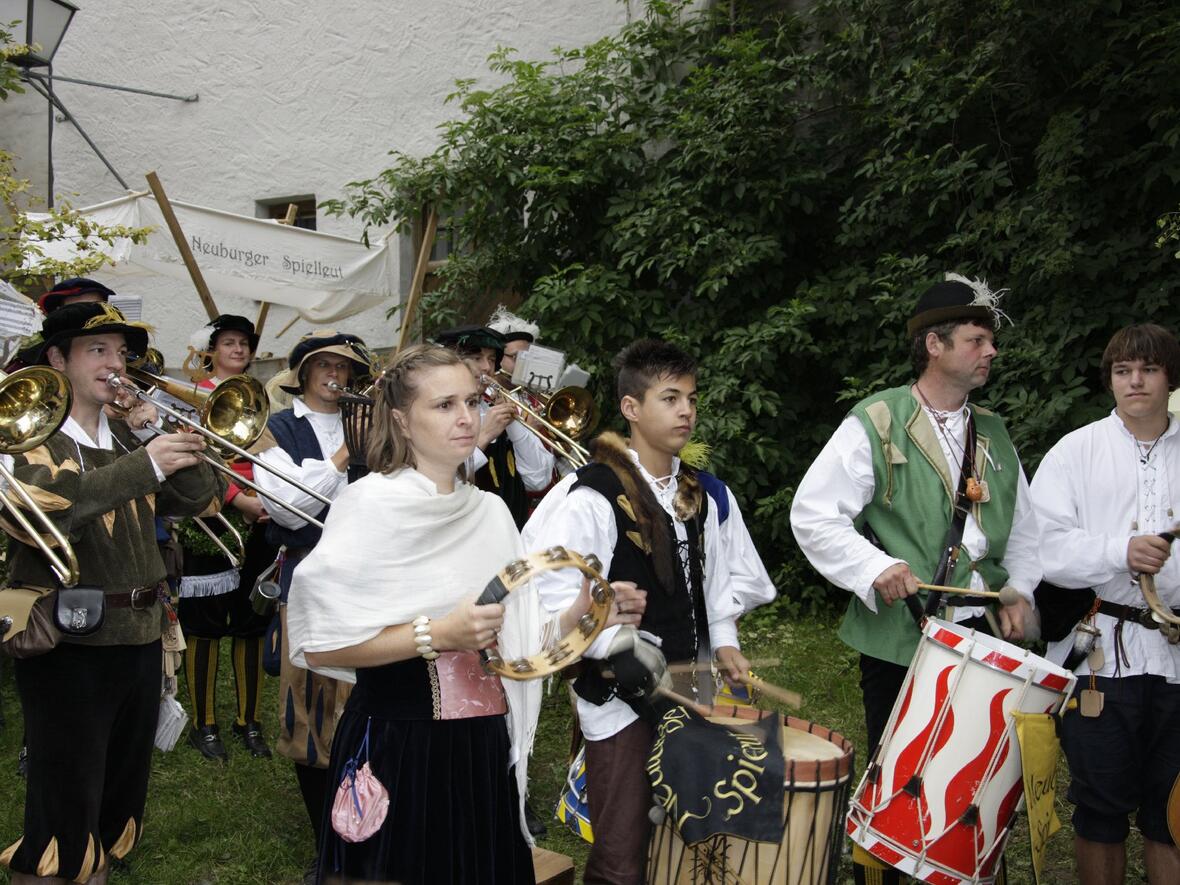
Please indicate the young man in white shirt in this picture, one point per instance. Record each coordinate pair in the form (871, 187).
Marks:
(1104, 495)
(646, 517)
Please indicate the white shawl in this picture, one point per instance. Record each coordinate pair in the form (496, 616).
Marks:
(392, 549)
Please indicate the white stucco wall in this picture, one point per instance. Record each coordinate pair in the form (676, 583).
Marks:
(24, 133)
(295, 98)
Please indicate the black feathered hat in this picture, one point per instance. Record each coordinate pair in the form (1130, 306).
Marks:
(957, 298)
(230, 322)
(471, 338)
(89, 318)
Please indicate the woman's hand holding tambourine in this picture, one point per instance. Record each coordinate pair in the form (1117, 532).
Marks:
(580, 623)
(468, 626)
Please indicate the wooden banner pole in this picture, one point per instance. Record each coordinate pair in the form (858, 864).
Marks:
(264, 306)
(419, 278)
(186, 253)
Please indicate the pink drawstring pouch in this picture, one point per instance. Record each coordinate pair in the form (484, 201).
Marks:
(361, 801)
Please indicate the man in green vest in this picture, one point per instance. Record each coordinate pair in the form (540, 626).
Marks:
(874, 512)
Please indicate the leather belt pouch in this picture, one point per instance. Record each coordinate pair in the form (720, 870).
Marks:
(79, 611)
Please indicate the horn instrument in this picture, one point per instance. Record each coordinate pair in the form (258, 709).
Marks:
(231, 419)
(356, 410)
(34, 403)
(569, 414)
(235, 560)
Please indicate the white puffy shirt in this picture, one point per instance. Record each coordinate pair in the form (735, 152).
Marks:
(583, 520)
(1090, 490)
(839, 484)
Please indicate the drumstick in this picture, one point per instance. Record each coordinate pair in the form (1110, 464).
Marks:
(792, 699)
(701, 667)
(687, 703)
(1006, 596)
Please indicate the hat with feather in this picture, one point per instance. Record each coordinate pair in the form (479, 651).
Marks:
(957, 298)
(512, 327)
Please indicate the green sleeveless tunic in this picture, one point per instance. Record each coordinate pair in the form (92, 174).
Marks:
(911, 511)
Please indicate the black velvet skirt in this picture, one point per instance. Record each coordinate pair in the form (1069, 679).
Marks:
(454, 814)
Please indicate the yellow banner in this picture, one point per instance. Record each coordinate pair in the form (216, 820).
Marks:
(1039, 748)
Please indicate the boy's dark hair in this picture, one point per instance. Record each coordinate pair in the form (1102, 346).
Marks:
(1147, 342)
(642, 363)
(920, 357)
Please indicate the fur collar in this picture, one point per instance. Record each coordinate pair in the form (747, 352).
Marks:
(611, 450)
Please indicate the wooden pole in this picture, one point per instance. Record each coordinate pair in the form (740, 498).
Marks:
(419, 278)
(293, 321)
(264, 306)
(186, 253)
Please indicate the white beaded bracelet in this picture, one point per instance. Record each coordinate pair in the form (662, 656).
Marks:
(423, 638)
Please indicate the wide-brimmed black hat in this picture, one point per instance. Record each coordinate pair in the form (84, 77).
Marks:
(471, 338)
(950, 300)
(230, 322)
(327, 340)
(89, 318)
(52, 300)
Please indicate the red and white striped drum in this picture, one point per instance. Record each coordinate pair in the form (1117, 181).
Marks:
(938, 799)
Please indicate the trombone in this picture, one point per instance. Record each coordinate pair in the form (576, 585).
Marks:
(232, 415)
(34, 403)
(235, 560)
(568, 414)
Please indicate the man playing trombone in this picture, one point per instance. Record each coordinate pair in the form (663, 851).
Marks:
(310, 448)
(91, 703)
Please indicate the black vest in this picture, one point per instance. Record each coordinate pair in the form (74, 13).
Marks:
(675, 614)
(499, 477)
(296, 437)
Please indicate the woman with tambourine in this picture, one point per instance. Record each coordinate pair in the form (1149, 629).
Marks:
(388, 598)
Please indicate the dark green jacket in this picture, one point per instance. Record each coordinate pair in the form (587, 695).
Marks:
(106, 508)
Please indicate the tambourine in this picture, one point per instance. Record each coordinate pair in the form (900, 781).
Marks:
(570, 648)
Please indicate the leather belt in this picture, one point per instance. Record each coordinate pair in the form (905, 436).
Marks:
(137, 599)
(1140, 616)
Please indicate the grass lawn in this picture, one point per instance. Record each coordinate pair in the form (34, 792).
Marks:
(244, 823)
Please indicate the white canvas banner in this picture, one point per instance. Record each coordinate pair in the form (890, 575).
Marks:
(323, 276)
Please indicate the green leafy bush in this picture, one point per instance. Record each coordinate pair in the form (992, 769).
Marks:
(774, 189)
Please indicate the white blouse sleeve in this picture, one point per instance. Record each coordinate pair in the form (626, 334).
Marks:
(320, 475)
(836, 488)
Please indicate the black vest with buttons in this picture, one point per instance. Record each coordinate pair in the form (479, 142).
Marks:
(499, 477)
(676, 614)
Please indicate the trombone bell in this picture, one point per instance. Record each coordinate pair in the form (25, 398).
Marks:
(573, 411)
(34, 402)
(236, 410)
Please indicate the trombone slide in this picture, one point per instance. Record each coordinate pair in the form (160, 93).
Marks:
(67, 570)
(115, 381)
(559, 441)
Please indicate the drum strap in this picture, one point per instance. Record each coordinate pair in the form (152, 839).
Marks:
(954, 533)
